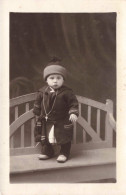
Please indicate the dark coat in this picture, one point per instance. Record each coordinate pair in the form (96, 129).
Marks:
(61, 103)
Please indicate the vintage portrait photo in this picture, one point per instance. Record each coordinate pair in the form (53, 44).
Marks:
(62, 94)
(63, 120)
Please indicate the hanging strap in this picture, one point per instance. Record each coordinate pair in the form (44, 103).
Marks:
(47, 114)
(44, 133)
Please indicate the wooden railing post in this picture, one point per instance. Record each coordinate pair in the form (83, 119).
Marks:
(108, 128)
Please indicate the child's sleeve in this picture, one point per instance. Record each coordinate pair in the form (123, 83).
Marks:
(37, 104)
(72, 103)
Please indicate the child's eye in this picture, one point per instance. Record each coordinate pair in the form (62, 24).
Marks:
(58, 77)
(51, 77)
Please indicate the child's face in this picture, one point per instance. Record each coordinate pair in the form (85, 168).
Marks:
(55, 81)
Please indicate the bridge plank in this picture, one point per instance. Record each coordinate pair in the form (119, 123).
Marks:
(32, 132)
(84, 136)
(112, 121)
(75, 147)
(82, 174)
(22, 135)
(89, 115)
(108, 127)
(12, 142)
(16, 112)
(98, 122)
(27, 107)
(22, 99)
(74, 134)
(88, 129)
(20, 121)
(27, 163)
(93, 103)
(31, 97)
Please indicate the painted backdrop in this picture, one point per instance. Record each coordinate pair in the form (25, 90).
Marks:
(86, 42)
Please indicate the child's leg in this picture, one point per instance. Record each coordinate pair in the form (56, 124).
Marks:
(64, 152)
(65, 149)
(46, 152)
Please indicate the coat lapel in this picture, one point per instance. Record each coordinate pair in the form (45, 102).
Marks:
(63, 88)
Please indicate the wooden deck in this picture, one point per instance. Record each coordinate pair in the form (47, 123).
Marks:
(87, 165)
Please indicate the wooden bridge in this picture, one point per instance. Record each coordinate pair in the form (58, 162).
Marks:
(93, 155)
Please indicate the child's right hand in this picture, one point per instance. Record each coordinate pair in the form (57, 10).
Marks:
(73, 118)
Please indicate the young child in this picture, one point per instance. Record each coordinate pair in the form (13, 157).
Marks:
(56, 109)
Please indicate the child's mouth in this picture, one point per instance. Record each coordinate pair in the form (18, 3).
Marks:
(54, 86)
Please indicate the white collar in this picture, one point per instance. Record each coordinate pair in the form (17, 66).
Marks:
(52, 90)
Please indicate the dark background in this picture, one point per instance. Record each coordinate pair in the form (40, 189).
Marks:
(86, 42)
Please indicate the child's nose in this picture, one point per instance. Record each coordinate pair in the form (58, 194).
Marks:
(55, 80)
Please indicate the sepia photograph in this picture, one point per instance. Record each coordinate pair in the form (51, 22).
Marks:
(63, 91)
(62, 97)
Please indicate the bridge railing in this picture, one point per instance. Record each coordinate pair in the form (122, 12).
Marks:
(93, 129)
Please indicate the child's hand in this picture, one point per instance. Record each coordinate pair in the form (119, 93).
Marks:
(73, 118)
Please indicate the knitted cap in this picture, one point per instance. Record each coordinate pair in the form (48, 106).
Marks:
(54, 67)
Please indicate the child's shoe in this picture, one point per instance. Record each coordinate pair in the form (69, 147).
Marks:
(61, 158)
(43, 157)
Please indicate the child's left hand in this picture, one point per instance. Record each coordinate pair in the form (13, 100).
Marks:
(73, 118)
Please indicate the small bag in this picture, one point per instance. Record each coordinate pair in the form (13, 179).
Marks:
(38, 131)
